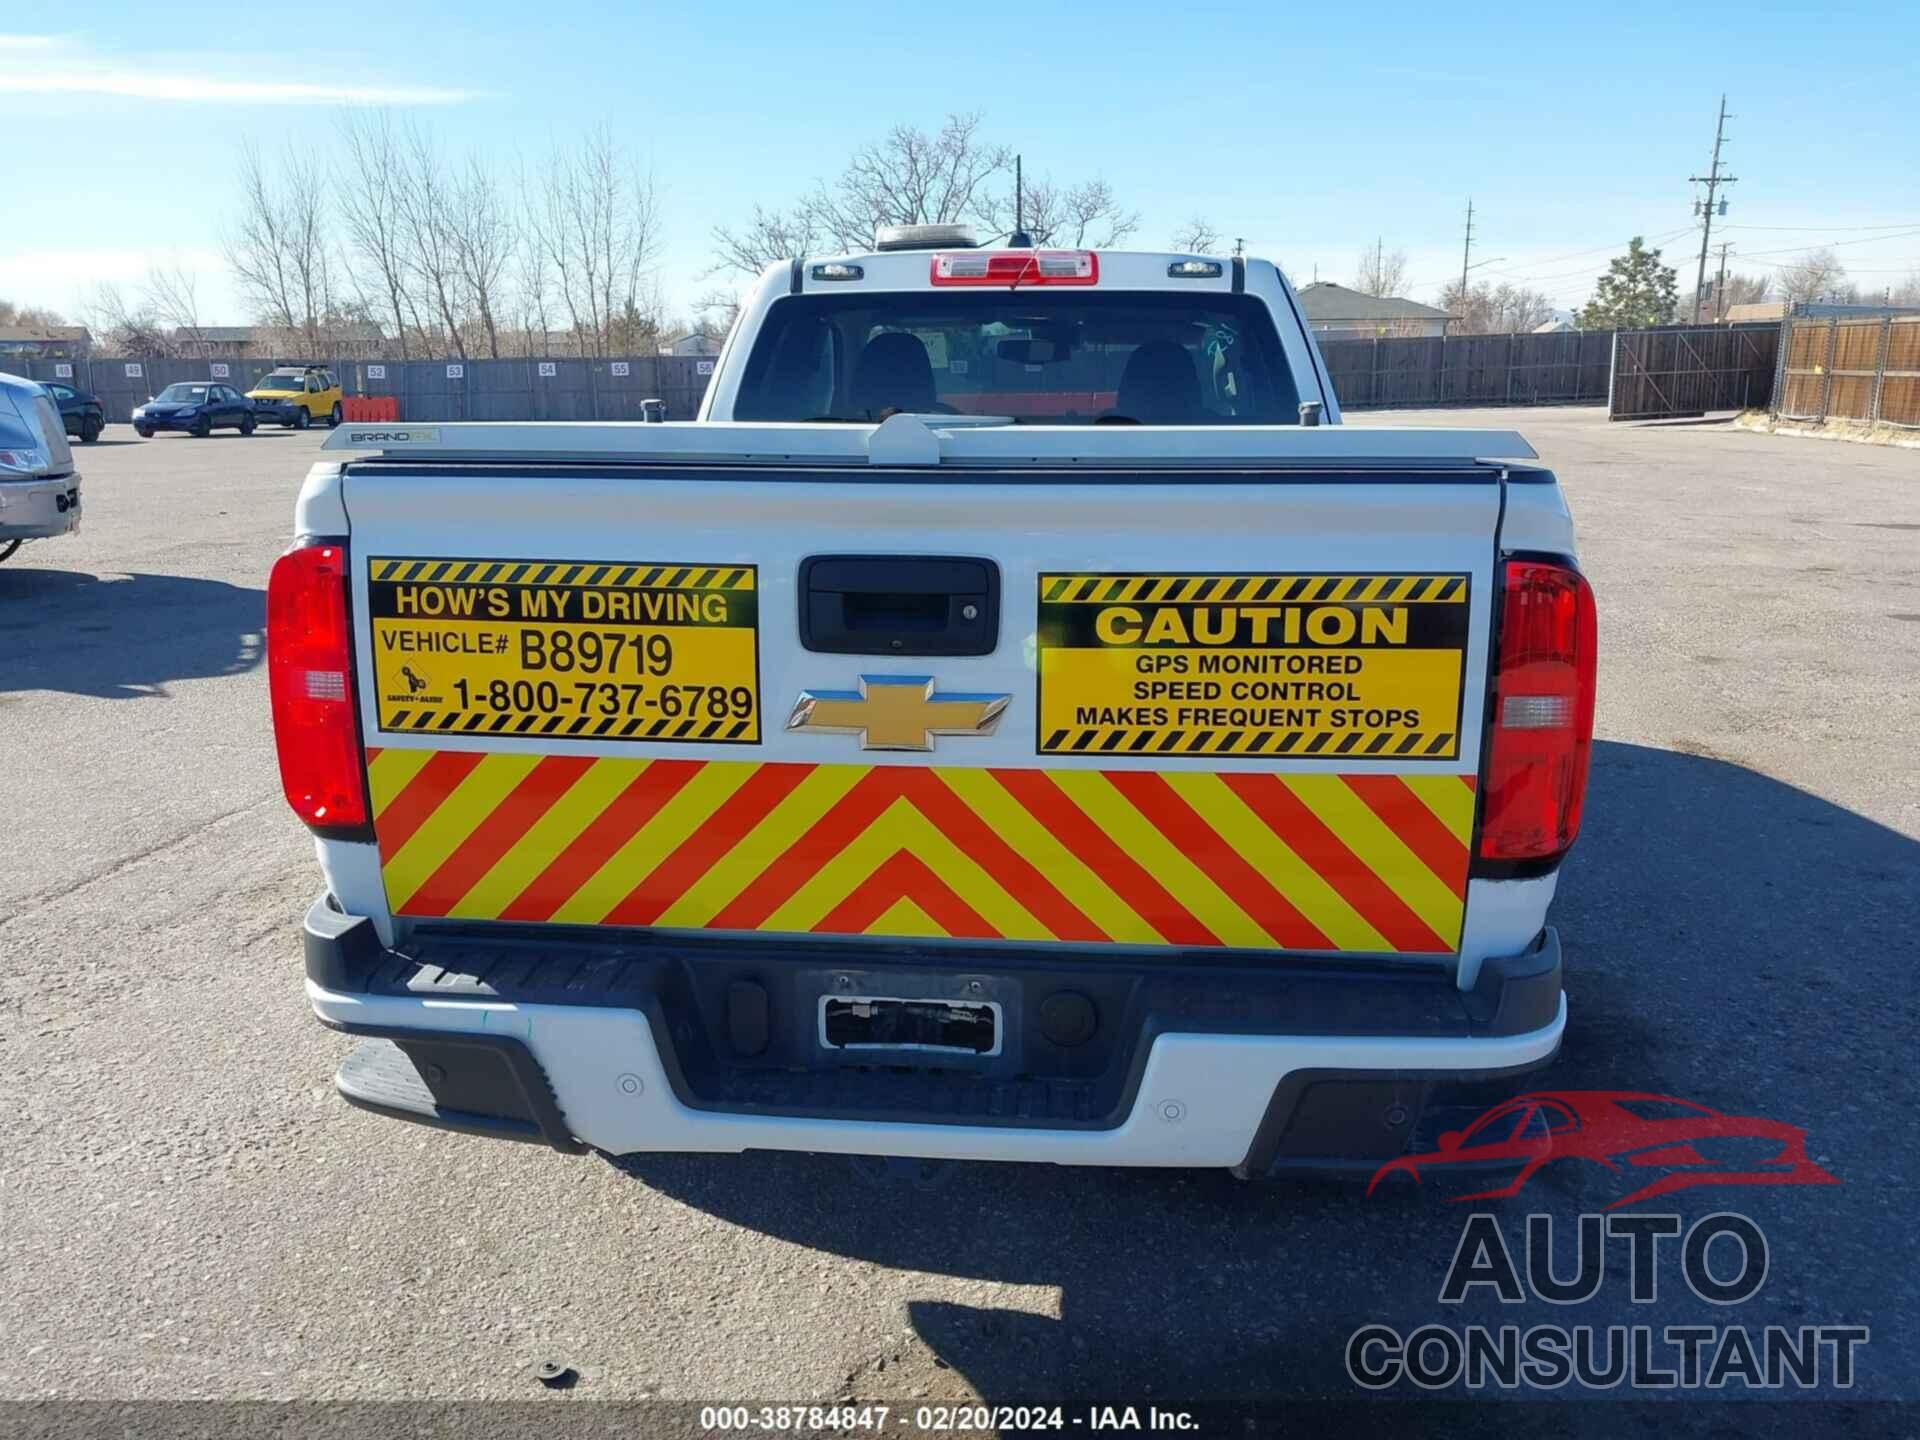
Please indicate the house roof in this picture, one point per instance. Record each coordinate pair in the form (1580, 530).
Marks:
(1324, 301)
(44, 332)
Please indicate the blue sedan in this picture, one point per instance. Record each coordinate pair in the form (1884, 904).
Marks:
(197, 407)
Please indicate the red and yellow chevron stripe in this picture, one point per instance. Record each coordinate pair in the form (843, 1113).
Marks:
(1365, 862)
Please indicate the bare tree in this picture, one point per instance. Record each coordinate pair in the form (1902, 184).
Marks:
(12, 314)
(122, 327)
(1381, 271)
(1817, 275)
(533, 280)
(370, 186)
(1907, 292)
(1073, 216)
(278, 250)
(484, 243)
(601, 226)
(911, 177)
(1197, 236)
(259, 250)
(430, 226)
(172, 295)
(1495, 309)
(769, 237)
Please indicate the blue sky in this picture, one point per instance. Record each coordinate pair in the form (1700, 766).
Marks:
(1308, 130)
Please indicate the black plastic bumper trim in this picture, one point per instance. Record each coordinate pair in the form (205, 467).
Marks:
(513, 1102)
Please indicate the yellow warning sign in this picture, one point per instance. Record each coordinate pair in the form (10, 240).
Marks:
(578, 649)
(1358, 666)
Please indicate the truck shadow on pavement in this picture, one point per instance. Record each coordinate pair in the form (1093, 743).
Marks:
(1731, 940)
(123, 637)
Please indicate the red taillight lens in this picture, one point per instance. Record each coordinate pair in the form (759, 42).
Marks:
(310, 676)
(1542, 717)
(1015, 267)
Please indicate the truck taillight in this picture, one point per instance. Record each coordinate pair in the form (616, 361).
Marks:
(1015, 267)
(1542, 720)
(310, 677)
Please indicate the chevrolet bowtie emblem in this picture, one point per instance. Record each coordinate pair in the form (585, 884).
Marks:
(896, 712)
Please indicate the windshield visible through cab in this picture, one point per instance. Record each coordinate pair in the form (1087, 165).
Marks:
(1038, 356)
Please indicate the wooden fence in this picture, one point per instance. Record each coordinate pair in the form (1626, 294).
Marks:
(1683, 370)
(1850, 369)
(1570, 367)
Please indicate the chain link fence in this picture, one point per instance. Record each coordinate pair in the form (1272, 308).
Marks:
(531, 389)
(1834, 368)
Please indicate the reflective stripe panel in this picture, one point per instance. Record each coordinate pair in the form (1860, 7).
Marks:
(1330, 863)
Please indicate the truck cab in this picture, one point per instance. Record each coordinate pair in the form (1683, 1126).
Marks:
(1051, 337)
(1016, 721)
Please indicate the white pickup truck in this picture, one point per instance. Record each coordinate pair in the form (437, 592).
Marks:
(1016, 721)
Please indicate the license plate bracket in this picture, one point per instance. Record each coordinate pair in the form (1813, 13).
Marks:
(883, 1023)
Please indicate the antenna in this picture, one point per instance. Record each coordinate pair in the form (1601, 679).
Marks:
(1019, 239)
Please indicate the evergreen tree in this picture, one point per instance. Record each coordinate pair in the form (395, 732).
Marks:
(1637, 291)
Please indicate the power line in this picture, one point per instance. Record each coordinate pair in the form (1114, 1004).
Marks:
(1836, 244)
(1809, 229)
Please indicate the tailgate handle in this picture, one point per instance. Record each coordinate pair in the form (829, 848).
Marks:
(899, 604)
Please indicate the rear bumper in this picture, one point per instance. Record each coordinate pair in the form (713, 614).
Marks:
(39, 509)
(629, 1042)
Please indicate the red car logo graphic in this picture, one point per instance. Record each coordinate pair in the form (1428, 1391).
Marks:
(1624, 1132)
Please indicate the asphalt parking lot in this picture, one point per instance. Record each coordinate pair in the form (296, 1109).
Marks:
(190, 1212)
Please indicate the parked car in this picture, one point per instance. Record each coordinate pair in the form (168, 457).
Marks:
(197, 407)
(297, 395)
(82, 413)
(39, 488)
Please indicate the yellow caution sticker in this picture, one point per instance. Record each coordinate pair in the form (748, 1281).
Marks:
(645, 652)
(1356, 666)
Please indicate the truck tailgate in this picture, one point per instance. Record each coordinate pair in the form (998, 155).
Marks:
(1125, 710)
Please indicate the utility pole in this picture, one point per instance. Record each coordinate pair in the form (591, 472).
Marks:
(1713, 180)
(1720, 285)
(1466, 253)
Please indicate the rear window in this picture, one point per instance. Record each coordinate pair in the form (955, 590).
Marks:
(1039, 356)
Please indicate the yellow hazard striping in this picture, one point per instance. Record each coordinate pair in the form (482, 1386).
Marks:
(390, 770)
(1012, 822)
(797, 812)
(903, 917)
(1382, 851)
(1305, 889)
(1448, 799)
(475, 798)
(1163, 860)
(460, 839)
(514, 871)
(1265, 589)
(669, 828)
(902, 827)
(616, 574)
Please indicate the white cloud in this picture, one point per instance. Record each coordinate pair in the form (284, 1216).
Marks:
(62, 65)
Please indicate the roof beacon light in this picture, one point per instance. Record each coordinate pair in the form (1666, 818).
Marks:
(1195, 270)
(1017, 268)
